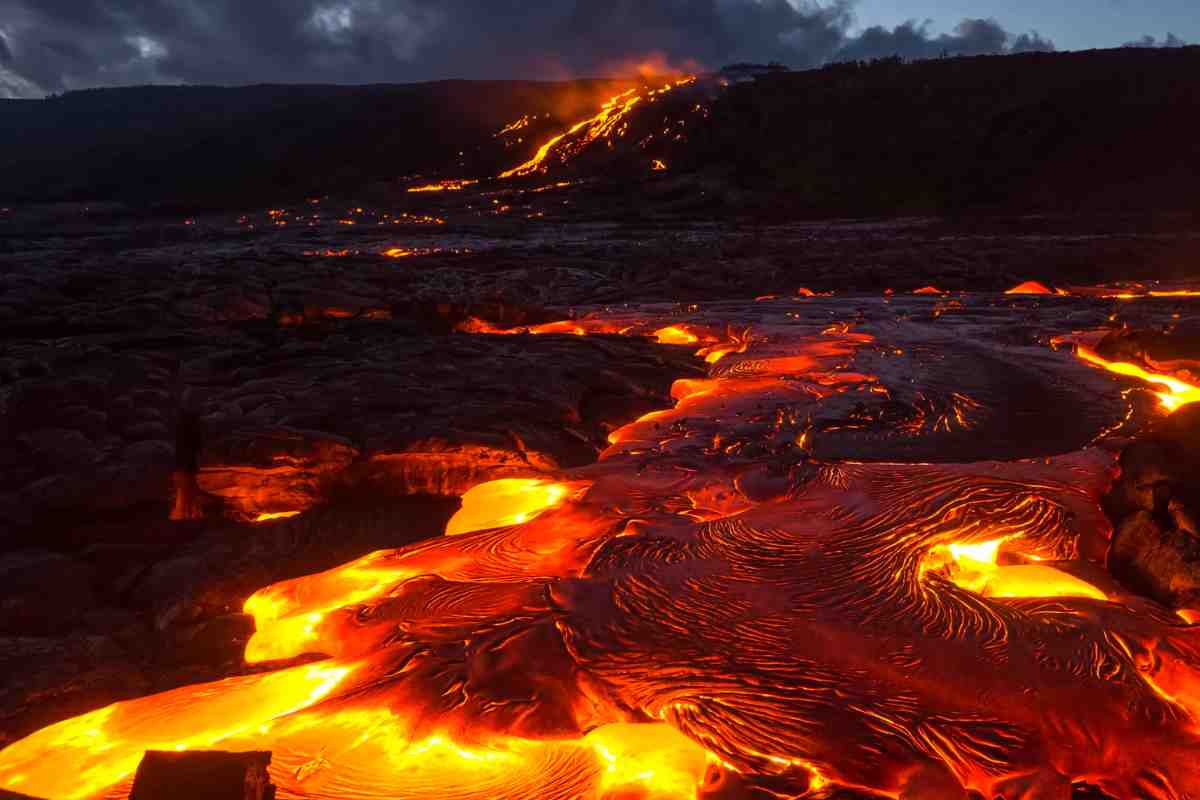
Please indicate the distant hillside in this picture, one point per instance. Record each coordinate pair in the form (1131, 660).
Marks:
(210, 146)
(1111, 129)
(1100, 130)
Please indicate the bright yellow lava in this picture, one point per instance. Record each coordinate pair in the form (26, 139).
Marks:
(509, 501)
(674, 334)
(315, 748)
(105, 746)
(266, 517)
(1174, 394)
(655, 759)
(973, 567)
(288, 616)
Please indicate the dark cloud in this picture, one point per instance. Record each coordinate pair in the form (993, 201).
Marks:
(1149, 41)
(54, 45)
(912, 40)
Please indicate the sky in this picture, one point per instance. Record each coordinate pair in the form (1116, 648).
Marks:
(52, 46)
(1071, 24)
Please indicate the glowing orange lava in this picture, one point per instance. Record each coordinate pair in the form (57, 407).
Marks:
(711, 609)
(508, 501)
(1030, 287)
(455, 185)
(973, 567)
(605, 125)
(105, 746)
(1173, 393)
(674, 334)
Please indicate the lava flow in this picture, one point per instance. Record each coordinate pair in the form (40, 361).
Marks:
(713, 611)
(1172, 393)
(610, 122)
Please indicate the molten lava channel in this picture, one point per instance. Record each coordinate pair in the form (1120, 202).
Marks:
(707, 611)
(1172, 393)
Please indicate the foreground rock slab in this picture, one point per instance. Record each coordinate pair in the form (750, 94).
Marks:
(203, 776)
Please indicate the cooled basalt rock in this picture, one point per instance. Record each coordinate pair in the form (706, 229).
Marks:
(421, 415)
(43, 593)
(1155, 506)
(1177, 351)
(272, 470)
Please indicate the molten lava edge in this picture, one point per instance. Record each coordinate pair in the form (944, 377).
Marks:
(681, 619)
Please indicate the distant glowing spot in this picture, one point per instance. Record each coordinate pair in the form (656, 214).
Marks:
(658, 165)
(276, 515)
(509, 501)
(1030, 287)
(443, 186)
(928, 290)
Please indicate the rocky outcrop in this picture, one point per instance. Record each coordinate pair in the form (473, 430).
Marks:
(1155, 505)
(211, 775)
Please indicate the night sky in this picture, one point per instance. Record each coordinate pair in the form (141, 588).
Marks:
(50, 46)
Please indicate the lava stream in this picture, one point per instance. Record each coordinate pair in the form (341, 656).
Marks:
(604, 125)
(707, 605)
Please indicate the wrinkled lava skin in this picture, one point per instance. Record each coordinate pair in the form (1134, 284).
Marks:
(802, 631)
(774, 611)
